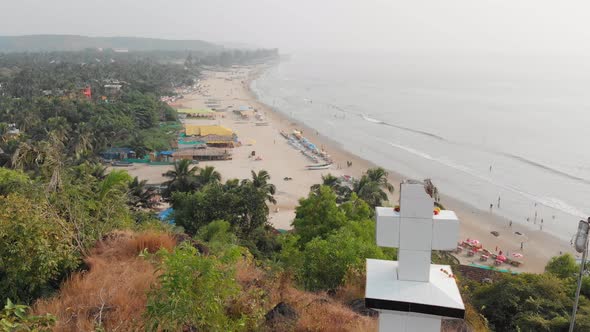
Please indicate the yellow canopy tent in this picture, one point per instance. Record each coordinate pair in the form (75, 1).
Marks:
(199, 130)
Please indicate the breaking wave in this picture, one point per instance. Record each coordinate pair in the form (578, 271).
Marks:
(415, 131)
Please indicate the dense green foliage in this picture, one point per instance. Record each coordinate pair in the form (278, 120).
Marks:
(35, 248)
(533, 302)
(330, 239)
(323, 263)
(44, 234)
(241, 203)
(318, 215)
(563, 266)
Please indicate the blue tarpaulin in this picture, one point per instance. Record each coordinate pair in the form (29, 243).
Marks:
(166, 153)
(166, 215)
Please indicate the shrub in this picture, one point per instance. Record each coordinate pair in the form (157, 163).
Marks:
(35, 248)
(563, 266)
(323, 263)
(14, 317)
(193, 293)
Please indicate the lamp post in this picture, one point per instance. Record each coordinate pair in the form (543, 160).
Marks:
(581, 245)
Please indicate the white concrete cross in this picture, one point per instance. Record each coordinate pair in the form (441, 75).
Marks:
(416, 231)
(411, 294)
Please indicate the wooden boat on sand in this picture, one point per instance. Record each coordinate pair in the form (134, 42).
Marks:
(318, 166)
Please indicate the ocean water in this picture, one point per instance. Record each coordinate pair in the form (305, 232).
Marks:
(482, 127)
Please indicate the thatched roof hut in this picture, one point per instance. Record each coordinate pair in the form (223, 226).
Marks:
(203, 154)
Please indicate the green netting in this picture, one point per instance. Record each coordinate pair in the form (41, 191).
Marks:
(157, 163)
(139, 161)
(181, 141)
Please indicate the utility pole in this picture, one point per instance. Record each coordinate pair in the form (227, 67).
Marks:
(581, 245)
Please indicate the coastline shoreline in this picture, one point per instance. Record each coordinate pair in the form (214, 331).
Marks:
(231, 88)
(474, 220)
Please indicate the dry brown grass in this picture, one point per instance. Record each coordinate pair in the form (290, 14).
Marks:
(353, 286)
(316, 311)
(153, 241)
(112, 293)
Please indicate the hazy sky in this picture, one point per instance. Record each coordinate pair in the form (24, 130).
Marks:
(448, 25)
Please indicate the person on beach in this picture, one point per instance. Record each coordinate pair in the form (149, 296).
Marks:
(498, 202)
(510, 224)
(491, 207)
(521, 245)
(490, 168)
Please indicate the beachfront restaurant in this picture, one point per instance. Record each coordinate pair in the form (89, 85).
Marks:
(213, 136)
(207, 153)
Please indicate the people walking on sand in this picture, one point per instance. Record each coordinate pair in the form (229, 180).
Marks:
(490, 168)
(521, 245)
(491, 207)
(510, 224)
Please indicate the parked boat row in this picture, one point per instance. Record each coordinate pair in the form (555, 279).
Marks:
(308, 149)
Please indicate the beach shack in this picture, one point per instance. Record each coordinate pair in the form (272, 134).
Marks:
(198, 113)
(213, 136)
(118, 154)
(207, 153)
(164, 156)
(246, 115)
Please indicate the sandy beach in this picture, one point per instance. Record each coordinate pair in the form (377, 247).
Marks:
(231, 88)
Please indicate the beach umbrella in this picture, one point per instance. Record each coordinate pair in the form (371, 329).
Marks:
(501, 258)
(517, 255)
(474, 242)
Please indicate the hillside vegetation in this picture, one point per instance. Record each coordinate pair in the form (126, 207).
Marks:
(48, 43)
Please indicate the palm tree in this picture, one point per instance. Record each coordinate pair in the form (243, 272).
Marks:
(208, 175)
(26, 156)
(98, 171)
(370, 186)
(140, 195)
(115, 181)
(379, 175)
(328, 180)
(231, 184)
(260, 182)
(335, 183)
(182, 178)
